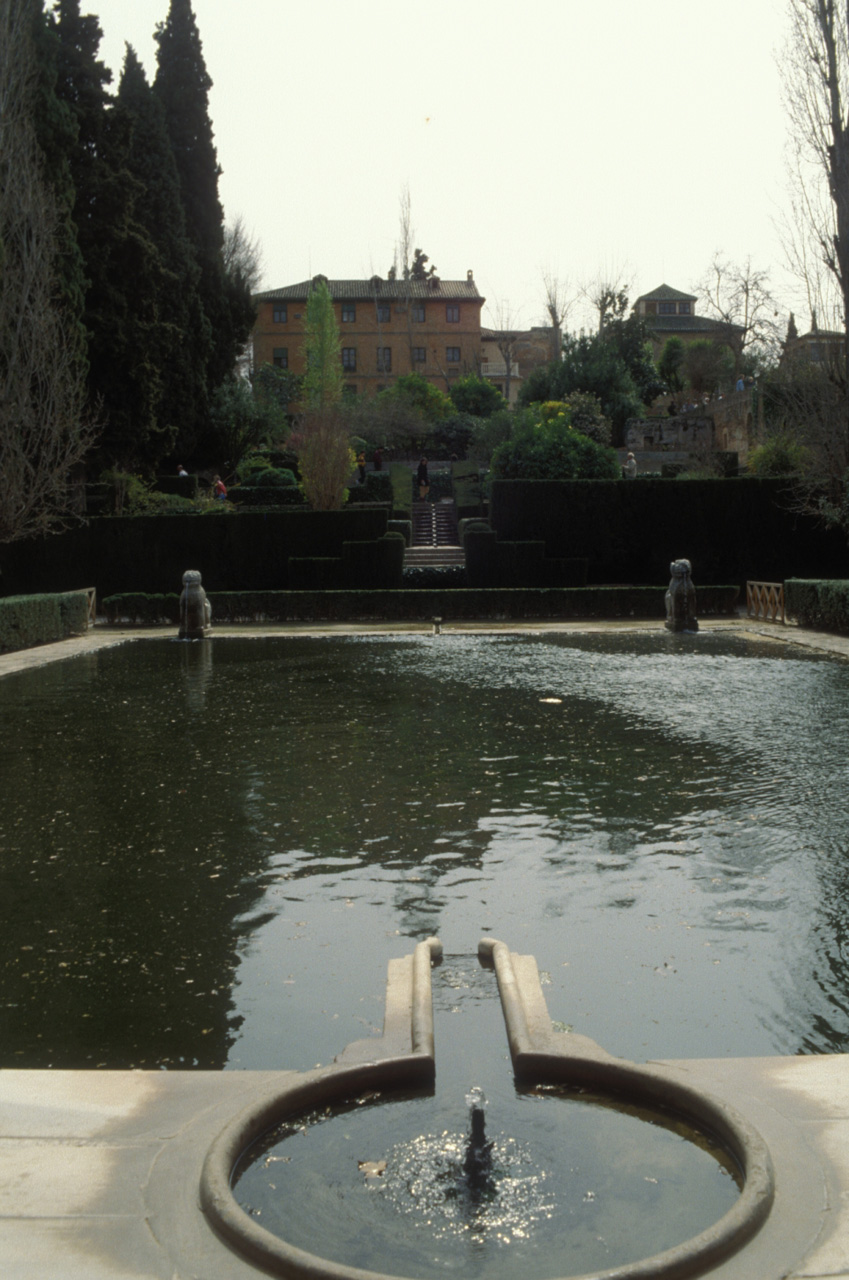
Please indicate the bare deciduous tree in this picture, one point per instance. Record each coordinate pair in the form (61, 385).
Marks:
(242, 254)
(738, 295)
(608, 294)
(816, 400)
(817, 96)
(558, 304)
(325, 457)
(507, 339)
(43, 432)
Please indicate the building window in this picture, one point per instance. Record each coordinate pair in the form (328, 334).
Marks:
(418, 312)
(349, 312)
(280, 313)
(452, 355)
(349, 358)
(383, 313)
(683, 308)
(666, 309)
(452, 313)
(280, 357)
(419, 355)
(384, 359)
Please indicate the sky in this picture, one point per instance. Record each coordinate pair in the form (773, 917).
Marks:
(583, 138)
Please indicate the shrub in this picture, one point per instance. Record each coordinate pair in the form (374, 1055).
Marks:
(275, 477)
(41, 619)
(781, 455)
(552, 450)
(818, 603)
(477, 397)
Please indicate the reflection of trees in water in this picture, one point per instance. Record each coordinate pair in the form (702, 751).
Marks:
(122, 874)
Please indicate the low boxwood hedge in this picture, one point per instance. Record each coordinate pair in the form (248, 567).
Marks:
(26, 621)
(421, 605)
(818, 602)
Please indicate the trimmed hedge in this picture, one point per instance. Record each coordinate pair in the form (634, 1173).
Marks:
(266, 495)
(377, 488)
(820, 603)
(435, 577)
(249, 551)
(730, 530)
(495, 563)
(417, 606)
(375, 566)
(468, 489)
(404, 527)
(182, 486)
(26, 621)
(401, 481)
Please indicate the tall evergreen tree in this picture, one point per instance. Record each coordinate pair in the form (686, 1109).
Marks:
(182, 84)
(43, 431)
(121, 303)
(183, 338)
(56, 134)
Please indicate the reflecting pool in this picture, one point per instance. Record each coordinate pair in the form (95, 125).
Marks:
(209, 852)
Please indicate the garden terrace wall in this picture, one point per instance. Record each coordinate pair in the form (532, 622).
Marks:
(629, 531)
(247, 551)
(422, 606)
(26, 621)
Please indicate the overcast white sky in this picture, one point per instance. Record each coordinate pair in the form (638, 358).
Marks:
(583, 136)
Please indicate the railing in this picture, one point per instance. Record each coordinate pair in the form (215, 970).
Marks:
(765, 600)
(498, 369)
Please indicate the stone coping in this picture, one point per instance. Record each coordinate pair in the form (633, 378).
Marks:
(103, 637)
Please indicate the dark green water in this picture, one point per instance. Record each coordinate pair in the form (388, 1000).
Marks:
(209, 852)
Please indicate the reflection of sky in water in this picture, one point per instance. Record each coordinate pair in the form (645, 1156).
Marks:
(210, 859)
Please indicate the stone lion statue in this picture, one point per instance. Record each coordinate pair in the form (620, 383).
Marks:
(195, 609)
(681, 598)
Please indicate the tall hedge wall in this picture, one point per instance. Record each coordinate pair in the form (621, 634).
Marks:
(244, 552)
(629, 531)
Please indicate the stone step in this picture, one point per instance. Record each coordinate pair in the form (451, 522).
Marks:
(445, 555)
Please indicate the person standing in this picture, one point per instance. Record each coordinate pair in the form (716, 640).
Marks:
(422, 479)
(361, 467)
(377, 459)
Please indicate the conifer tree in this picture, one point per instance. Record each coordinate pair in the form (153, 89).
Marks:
(43, 431)
(182, 84)
(183, 337)
(120, 302)
(56, 133)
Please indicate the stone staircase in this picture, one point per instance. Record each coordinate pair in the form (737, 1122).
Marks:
(434, 535)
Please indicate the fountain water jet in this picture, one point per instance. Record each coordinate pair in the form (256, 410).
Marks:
(372, 1074)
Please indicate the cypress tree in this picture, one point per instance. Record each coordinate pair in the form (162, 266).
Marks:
(182, 84)
(120, 304)
(56, 134)
(183, 338)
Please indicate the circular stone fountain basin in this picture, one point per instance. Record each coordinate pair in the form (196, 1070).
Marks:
(565, 1183)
